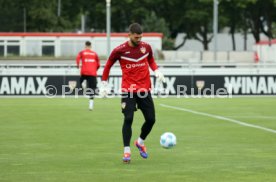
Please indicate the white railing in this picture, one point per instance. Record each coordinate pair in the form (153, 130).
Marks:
(166, 68)
(163, 64)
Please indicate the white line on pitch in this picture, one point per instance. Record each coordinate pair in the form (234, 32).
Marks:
(252, 116)
(220, 117)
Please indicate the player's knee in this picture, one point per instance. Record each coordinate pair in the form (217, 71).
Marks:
(128, 118)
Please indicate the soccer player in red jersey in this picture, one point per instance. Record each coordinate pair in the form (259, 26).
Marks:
(135, 58)
(89, 63)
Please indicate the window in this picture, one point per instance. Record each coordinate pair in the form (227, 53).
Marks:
(13, 41)
(48, 48)
(1, 50)
(13, 50)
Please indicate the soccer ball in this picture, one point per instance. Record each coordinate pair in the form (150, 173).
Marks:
(168, 140)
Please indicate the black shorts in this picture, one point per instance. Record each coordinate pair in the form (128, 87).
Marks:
(91, 82)
(130, 102)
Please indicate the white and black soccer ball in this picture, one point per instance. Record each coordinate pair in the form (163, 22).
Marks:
(168, 140)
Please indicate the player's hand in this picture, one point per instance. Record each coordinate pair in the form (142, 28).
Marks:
(159, 76)
(104, 89)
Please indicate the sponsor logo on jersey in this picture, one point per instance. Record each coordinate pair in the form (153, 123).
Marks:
(143, 50)
(88, 53)
(89, 60)
(128, 66)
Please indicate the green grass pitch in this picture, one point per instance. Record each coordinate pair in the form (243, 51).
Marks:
(59, 140)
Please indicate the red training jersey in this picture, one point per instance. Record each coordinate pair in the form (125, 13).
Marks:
(135, 63)
(90, 62)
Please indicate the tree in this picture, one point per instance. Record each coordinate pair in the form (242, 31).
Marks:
(194, 18)
(174, 14)
(261, 15)
(41, 16)
(268, 14)
(199, 18)
(152, 23)
(11, 13)
(233, 17)
(274, 29)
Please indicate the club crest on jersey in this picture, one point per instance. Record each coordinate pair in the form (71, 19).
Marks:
(143, 50)
(123, 105)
